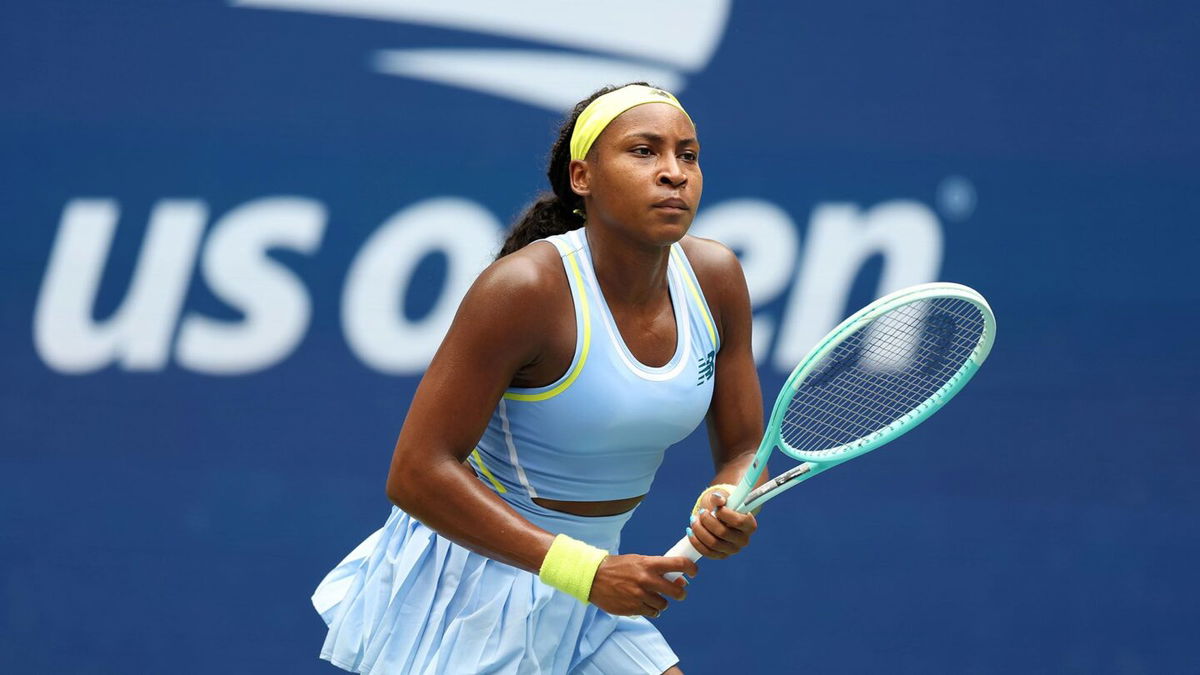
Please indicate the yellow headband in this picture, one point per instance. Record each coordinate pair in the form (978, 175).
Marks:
(599, 113)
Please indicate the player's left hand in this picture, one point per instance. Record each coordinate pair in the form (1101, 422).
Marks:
(719, 532)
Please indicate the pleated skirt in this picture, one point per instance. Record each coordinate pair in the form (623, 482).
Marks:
(408, 600)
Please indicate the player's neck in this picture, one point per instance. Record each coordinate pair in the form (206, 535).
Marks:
(631, 273)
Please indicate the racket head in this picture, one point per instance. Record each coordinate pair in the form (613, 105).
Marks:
(882, 371)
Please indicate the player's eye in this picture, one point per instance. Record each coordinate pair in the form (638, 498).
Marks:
(689, 156)
(642, 150)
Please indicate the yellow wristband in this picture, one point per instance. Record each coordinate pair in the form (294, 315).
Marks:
(570, 566)
(723, 487)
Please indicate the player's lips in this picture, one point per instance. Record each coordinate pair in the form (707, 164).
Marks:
(673, 203)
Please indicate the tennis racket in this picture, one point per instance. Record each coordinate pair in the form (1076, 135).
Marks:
(875, 377)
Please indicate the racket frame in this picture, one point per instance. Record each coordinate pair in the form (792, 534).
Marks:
(746, 497)
(812, 465)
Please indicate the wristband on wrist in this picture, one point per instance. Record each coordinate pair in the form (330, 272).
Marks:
(570, 566)
(721, 487)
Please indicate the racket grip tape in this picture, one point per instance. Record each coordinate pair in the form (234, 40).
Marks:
(682, 548)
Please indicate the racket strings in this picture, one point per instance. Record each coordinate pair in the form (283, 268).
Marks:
(872, 392)
(838, 404)
(892, 339)
(881, 372)
(889, 339)
(846, 420)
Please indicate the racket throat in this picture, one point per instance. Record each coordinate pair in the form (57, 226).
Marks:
(784, 481)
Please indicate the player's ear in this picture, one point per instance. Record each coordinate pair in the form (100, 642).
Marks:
(580, 178)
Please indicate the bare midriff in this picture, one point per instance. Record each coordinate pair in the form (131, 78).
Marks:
(607, 508)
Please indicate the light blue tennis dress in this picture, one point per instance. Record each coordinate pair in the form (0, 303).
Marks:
(408, 600)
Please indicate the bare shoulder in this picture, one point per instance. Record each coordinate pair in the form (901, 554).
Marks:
(710, 258)
(526, 277)
(511, 311)
(720, 275)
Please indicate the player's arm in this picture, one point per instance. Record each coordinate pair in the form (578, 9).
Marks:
(500, 327)
(483, 348)
(735, 416)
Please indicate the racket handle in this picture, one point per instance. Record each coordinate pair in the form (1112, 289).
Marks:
(684, 548)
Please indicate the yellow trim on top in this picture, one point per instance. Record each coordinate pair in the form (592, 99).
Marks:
(587, 343)
(487, 474)
(687, 277)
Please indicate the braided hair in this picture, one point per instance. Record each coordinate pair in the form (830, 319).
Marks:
(554, 213)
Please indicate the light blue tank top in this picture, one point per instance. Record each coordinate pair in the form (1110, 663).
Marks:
(600, 431)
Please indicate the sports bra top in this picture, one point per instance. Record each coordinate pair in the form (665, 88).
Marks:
(600, 431)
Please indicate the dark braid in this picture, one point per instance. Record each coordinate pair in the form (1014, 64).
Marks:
(553, 213)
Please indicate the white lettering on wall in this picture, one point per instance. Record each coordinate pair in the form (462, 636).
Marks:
(138, 334)
(275, 304)
(812, 284)
(767, 243)
(373, 317)
(841, 238)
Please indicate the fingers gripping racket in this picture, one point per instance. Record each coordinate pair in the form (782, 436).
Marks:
(876, 376)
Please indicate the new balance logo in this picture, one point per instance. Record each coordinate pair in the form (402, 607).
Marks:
(705, 367)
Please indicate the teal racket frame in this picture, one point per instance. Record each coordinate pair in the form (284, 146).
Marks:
(747, 497)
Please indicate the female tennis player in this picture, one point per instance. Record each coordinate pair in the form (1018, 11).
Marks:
(601, 335)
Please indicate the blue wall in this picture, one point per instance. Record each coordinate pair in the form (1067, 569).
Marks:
(181, 470)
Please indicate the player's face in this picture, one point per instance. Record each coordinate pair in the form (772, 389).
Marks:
(642, 175)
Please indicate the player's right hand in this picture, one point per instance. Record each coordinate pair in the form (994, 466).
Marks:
(633, 585)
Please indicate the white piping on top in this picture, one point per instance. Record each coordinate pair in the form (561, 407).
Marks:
(512, 450)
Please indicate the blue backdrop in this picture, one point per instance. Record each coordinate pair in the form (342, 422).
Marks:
(233, 233)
